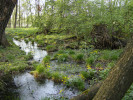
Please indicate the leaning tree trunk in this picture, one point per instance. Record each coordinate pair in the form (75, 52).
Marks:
(6, 8)
(117, 83)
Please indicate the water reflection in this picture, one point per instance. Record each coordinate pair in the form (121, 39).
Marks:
(37, 53)
(29, 89)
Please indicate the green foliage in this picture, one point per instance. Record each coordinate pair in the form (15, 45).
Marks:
(98, 65)
(29, 56)
(129, 94)
(40, 68)
(71, 52)
(103, 74)
(85, 74)
(46, 60)
(76, 82)
(62, 57)
(50, 48)
(90, 60)
(110, 55)
(56, 76)
(79, 57)
(91, 73)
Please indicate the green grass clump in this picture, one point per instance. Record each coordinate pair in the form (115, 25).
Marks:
(40, 68)
(71, 52)
(79, 57)
(29, 56)
(56, 77)
(103, 74)
(110, 54)
(91, 73)
(62, 57)
(50, 48)
(98, 65)
(46, 60)
(76, 82)
(26, 40)
(85, 74)
(90, 60)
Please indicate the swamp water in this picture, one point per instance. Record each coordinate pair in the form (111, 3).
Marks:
(29, 88)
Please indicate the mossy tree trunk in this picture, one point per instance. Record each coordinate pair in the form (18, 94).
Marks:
(118, 81)
(6, 9)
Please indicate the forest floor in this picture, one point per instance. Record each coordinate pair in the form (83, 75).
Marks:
(79, 65)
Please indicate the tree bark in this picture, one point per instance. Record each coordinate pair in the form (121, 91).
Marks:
(15, 23)
(118, 81)
(88, 94)
(19, 13)
(6, 8)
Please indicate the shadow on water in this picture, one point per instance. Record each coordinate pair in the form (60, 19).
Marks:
(29, 89)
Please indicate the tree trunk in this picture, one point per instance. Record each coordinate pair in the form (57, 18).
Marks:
(6, 8)
(88, 94)
(15, 23)
(120, 78)
(19, 13)
(118, 81)
(9, 24)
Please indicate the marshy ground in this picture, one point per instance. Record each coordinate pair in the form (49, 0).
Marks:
(57, 59)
